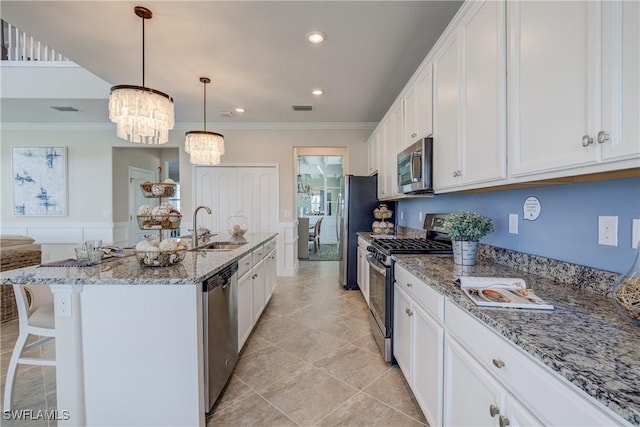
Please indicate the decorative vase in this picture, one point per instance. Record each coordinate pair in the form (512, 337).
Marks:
(626, 292)
(465, 252)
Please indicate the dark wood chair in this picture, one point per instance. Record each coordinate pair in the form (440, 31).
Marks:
(314, 236)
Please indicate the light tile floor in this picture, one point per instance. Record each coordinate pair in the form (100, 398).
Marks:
(310, 361)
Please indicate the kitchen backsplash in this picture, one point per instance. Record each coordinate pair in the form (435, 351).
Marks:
(567, 228)
(563, 272)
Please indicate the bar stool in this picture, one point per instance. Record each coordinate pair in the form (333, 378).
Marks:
(34, 318)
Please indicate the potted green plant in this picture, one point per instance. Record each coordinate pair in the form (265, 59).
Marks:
(466, 229)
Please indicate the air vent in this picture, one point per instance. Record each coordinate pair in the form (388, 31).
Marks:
(63, 108)
(302, 107)
(226, 114)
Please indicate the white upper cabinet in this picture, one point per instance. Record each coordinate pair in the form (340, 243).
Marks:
(446, 114)
(469, 100)
(483, 86)
(620, 81)
(553, 86)
(418, 109)
(389, 136)
(573, 87)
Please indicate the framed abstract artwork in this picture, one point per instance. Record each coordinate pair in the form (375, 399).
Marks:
(39, 181)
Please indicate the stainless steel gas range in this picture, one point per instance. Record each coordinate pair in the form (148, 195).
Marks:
(437, 242)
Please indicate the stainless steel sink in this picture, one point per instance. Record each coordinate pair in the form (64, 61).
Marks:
(221, 246)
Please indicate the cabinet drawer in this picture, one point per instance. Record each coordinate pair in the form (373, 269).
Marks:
(548, 396)
(258, 253)
(424, 294)
(269, 246)
(244, 264)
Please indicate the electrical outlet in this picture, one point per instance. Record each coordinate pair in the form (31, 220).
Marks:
(635, 233)
(420, 218)
(63, 305)
(513, 223)
(401, 215)
(608, 230)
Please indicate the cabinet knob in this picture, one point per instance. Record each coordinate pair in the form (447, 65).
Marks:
(409, 284)
(493, 410)
(603, 137)
(413, 135)
(504, 422)
(586, 140)
(498, 363)
(409, 312)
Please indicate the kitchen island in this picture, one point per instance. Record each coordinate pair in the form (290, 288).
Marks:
(129, 343)
(584, 342)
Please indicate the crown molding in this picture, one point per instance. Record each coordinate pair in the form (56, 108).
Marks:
(194, 126)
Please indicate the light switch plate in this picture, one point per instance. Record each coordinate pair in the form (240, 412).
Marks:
(608, 230)
(513, 223)
(635, 233)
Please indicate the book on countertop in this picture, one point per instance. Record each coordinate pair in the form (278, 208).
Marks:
(501, 292)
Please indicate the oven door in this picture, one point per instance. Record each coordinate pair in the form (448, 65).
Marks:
(378, 292)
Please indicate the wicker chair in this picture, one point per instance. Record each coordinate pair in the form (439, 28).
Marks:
(15, 252)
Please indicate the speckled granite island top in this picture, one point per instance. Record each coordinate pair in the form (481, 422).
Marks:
(584, 339)
(196, 266)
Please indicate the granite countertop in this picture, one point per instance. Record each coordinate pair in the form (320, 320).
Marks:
(196, 267)
(584, 338)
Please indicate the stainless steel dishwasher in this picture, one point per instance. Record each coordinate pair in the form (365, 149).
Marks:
(220, 314)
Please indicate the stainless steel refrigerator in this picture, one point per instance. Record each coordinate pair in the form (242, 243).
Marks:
(357, 199)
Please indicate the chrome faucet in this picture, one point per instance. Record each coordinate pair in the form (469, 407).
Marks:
(194, 235)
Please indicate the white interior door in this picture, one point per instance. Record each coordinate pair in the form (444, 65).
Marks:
(136, 177)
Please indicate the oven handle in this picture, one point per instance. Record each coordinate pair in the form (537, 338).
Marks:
(376, 265)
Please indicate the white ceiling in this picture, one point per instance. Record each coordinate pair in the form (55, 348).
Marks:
(255, 53)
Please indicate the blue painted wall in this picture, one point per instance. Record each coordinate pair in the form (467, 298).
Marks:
(567, 228)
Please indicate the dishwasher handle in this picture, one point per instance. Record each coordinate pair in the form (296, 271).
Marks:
(221, 278)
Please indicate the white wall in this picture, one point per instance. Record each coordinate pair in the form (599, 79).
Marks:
(91, 206)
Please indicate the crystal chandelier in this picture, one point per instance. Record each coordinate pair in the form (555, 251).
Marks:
(141, 114)
(204, 147)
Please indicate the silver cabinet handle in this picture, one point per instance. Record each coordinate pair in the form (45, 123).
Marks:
(498, 363)
(603, 137)
(409, 284)
(457, 173)
(409, 312)
(493, 410)
(504, 422)
(586, 140)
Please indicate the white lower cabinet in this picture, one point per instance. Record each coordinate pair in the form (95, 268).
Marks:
(363, 268)
(418, 341)
(529, 392)
(256, 282)
(473, 397)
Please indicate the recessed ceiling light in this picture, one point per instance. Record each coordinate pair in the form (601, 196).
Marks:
(317, 92)
(239, 110)
(316, 37)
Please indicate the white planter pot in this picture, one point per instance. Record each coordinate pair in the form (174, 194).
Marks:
(465, 252)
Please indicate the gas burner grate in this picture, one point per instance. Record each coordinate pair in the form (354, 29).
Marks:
(409, 246)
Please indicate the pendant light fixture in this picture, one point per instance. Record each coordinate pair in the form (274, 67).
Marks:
(303, 189)
(142, 115)
(204, 147)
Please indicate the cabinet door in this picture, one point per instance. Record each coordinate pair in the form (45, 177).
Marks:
(516, 415)
(394, 142)
(424, 111)
(427, 348)
(410, 116)
(469, 390)
(269, 276)
(245, 308)
(384, 167)
(258, 289)
(360, 267)
(552, 84)
(483, 86)
(446, 114)
(216, 187)
(402, 331)
(257, 192)
(621, 84)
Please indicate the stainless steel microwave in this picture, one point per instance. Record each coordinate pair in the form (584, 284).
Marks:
(415, 168)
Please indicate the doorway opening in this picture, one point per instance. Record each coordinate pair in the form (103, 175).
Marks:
(319, 181)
